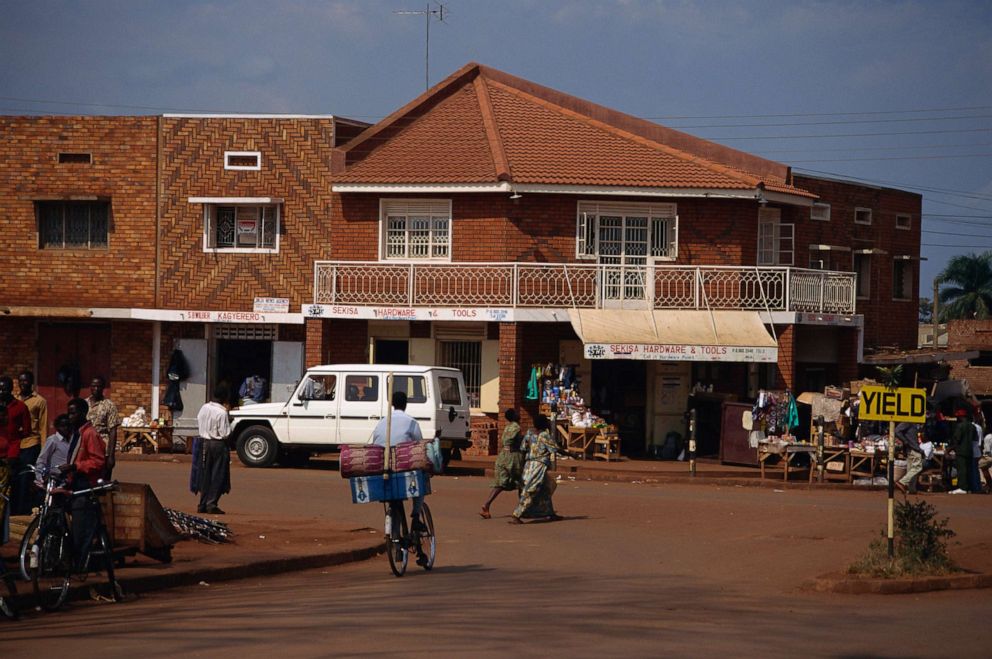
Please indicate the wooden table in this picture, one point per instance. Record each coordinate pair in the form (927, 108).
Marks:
(578, 439)
(788, 454)
(606, 445)
(145, 439)
(866, 464)
(836, 455)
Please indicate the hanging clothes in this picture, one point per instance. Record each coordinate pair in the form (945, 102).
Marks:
(792, 414)
(532, 386)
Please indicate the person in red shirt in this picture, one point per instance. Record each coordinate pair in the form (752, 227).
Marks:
(16, 428)
(5, 474)
(87, 463)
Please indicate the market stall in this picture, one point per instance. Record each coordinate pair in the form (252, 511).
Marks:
(579, 430)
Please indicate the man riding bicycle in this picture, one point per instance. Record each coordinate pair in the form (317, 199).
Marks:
(403, 428)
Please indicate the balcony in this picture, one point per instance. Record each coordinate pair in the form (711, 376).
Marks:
(583, 286)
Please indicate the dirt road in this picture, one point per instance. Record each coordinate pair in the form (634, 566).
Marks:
(634, 570)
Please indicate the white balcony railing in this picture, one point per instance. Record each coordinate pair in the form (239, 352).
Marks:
(576, 285)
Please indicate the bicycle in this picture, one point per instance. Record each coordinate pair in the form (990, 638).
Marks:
(47, 557)
(10, 586)
(400, 539)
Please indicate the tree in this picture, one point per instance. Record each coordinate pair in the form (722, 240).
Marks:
(966, 287)
(926, 311)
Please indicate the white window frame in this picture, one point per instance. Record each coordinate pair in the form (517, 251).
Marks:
(437, 210)
(860, 209)
(662, 218)
(859, 287)
(907, 279)
(210, 218)
(778, 247)
(249, 168)
(824, 212)
(909, 221)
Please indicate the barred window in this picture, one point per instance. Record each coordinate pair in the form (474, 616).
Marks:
(607, 229)
(242, 227)
(466, 356)
(73, 224)
(417, 229)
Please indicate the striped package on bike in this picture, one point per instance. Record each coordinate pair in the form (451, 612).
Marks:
(398, 485)
(362, 460)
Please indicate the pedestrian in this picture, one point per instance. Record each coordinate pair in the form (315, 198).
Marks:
(18, 426)
(214, 426)
(908, 435)
(8, 456)
(105, 419)
(55, 452)
(538, 486)
(87, 463)
(30, 443)
(961, 444)
(509, 463)
(985, 462)
(976, 454)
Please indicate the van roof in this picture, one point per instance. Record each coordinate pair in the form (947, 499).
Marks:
(382, 368)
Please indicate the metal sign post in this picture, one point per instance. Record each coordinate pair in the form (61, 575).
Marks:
(892, 404)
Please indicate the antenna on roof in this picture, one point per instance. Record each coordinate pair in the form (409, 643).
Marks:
(428, 14)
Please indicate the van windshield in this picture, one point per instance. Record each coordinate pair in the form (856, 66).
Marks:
(450, 390)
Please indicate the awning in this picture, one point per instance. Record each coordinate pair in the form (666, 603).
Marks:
(676, 335)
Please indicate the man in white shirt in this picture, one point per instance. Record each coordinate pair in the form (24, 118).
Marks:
(56, 450)
(985, 462)
(214, 426)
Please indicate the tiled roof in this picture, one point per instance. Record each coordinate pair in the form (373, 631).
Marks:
(484, 126)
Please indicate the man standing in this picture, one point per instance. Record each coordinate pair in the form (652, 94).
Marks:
(214, 426)
(105, 419)
(87, 464)
(17, 428)
(908, 434)
(31, 443)
(961, 441)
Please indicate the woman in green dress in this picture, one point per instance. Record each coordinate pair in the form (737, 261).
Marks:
(509, 462)
(538, 485)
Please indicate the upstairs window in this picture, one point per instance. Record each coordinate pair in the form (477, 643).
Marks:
(776, 239)
(75, 158)
(243, 160)
(416, 230)
(627, 233)
(820, 212)
(242, 227)
(862, 266)
(73, 224)
(904, 222)
(862, 216)
(902, 279)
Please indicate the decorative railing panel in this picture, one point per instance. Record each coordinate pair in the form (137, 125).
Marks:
(584, 286)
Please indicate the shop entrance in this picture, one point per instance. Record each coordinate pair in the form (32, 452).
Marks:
(619, 395)
(72, 354)
(391, 351)
(239, 359)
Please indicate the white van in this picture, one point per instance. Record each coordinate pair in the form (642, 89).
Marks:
(342, 403)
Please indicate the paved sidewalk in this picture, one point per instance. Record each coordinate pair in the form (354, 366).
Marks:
(261, 546)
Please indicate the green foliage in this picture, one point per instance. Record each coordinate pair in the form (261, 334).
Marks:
(926, 311)
(967, 287)
(920, 545)
(890, 376)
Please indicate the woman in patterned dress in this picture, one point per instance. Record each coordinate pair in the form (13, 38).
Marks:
(538, 485)
(509, 462)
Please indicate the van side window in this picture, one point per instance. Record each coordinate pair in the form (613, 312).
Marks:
(318, 387)
(413, 386)
(363, 388)
(450, 393)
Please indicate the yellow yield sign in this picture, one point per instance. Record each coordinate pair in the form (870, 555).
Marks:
(884, 404)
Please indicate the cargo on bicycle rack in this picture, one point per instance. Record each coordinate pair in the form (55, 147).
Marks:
(390, 487)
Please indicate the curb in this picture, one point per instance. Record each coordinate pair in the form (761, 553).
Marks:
(268, 567)
(869, 586)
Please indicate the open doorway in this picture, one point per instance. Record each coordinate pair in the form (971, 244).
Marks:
(239, 359)
(392, 351)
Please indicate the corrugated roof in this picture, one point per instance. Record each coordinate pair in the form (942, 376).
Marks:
(481, 125)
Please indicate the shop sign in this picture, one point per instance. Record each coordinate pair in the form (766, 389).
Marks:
(884, 404)
(408, 313)
(670, 352)
(271, 305)
(831, 319)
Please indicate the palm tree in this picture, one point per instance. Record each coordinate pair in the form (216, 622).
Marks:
(966, 287)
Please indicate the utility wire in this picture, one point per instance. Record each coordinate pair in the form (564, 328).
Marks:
(835, 123)
(929, 157)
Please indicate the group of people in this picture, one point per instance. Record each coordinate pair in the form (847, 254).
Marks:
(80, 451)
(970, 445)
(522, 465)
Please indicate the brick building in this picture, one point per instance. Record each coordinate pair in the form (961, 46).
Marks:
(490, 224)
(972, 335)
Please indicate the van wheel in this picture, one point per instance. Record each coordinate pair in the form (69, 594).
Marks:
(257, 447)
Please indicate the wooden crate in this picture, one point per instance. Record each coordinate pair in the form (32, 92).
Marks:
(139, 521)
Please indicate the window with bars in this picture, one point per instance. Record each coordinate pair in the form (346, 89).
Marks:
(73, 224)
(466, 356)
(242, 227)
(596, 221)
(416, 229)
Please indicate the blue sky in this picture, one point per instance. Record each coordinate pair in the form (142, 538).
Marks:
(903, 88)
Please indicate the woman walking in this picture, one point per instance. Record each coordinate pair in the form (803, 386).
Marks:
(509, 462)
(538, 485)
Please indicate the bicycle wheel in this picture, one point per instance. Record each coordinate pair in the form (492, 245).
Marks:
(51, 577)
(427, 540)
(29, 540)
(396, 542)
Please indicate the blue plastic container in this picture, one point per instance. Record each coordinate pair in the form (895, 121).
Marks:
(400, 485)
